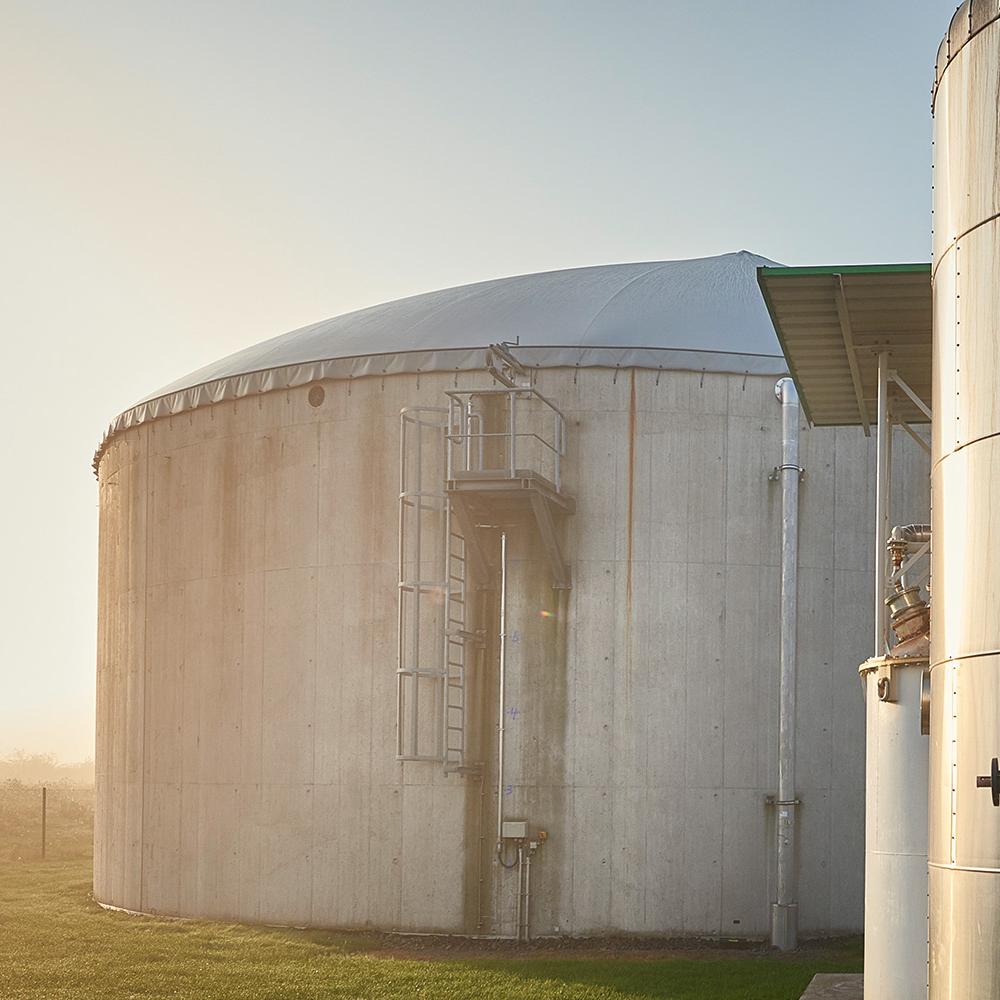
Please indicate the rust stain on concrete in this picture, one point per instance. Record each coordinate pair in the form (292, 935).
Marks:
(629, 529)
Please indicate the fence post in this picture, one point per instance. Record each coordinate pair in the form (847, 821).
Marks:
(44, 791)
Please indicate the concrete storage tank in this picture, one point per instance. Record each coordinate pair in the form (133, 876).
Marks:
(299, 680)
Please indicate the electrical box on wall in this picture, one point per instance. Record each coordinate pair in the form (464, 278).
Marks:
(514, 829)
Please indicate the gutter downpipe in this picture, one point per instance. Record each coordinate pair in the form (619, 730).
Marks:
(784, 912)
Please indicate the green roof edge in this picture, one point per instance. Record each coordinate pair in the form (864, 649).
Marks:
(777, 272)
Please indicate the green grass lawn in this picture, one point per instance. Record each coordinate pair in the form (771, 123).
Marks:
(55, 942)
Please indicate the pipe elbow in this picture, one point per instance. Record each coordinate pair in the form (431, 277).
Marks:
(911, 533)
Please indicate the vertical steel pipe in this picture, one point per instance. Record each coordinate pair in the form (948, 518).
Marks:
(518, 934)
(502, 685)
(784, 913)
(883, 431)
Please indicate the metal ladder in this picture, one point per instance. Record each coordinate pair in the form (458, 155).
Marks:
(456, 641)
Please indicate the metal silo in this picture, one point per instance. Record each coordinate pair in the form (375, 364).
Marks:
(461, 614)
(965, 649)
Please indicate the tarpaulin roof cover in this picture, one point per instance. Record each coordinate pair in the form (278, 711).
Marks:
(705, 314)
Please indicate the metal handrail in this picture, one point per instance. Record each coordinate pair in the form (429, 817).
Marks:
(503, 391)
(462, 418)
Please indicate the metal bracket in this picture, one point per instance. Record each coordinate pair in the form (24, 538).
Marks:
(910, 562)
(991, 781)
(476, 638)
(884, 684)
(504, 367)
(481, 566)
(775, 474)
(915, 399)
(913, 434)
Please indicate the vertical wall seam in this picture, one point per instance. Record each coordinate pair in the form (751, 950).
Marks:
(263, 670)
(145, 671)
(315, 672)
(723, 663)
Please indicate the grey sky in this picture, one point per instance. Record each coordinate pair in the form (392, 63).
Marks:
(181, 179)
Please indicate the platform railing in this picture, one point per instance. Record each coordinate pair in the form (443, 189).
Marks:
(528, 416)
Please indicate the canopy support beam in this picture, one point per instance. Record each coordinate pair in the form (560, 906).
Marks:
(844, 315)
(917, 401)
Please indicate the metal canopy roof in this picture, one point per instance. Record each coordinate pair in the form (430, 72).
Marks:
(832, 323)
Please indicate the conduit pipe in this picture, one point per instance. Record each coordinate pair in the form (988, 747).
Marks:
(502, 694)
(883, 472)
(527, 894)
(784, 912)
(520, 892)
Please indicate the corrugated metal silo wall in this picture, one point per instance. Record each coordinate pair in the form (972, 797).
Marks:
(246, 689)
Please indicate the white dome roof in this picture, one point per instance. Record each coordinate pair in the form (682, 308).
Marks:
(705, 314)
(708, 304)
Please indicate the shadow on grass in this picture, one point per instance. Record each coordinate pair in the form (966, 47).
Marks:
(737, 978)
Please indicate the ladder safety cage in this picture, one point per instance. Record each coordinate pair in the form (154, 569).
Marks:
(422, 516)
(433, 624)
